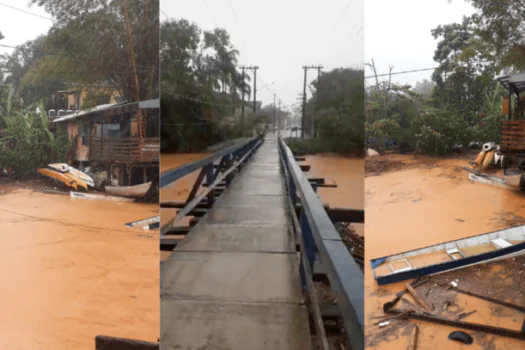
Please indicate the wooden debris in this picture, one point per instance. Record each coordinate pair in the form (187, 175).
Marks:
(413, 338)
(418, 298)
(389, 318)
(466, 314)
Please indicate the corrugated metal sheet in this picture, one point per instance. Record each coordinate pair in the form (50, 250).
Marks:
(517, 81)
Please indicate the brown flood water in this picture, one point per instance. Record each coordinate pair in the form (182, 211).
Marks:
(177, 192)
(425, 202)
(71, 270)
(346, 172)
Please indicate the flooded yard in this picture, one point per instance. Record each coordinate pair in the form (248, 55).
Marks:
(412, 203)
(71, 270)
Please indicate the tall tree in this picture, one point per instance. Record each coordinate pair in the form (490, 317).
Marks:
(502, 25)
(466, 67)
(200, 81)
(97, 42)
(17, 64)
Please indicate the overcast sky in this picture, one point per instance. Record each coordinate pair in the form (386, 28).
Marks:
(19, 27)
(398, 34)
(280, 36)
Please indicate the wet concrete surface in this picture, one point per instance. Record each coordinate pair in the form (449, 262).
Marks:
(272, 238)
(231, 277)
(413, 203)
(194, 283)
(71, 270)
(203, 325)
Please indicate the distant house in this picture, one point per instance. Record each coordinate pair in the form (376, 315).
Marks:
(110, 136)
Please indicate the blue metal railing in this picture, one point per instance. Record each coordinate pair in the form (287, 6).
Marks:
(319, 238)
(214, 169)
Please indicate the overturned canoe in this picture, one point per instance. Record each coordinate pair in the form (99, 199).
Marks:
(66, 168)
(507, 183)
(78, 195)
(450, 256)
(137, 191)
(58, 176)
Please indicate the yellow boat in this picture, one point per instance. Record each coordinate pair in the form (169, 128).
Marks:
(62, 177)
(78, 181)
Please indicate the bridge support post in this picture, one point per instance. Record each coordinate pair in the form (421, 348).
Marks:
(309, 245)
(209, 181)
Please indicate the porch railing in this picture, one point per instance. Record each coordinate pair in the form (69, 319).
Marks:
(513, 137)
(124, 150)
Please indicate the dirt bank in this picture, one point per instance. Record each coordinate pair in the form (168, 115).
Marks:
(71, 270)
(413, 203)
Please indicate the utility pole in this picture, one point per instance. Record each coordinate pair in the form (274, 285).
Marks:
(274, 113)
(303, 119)
(242, 93)
(280, 116)
(304, 102)
(254, 68)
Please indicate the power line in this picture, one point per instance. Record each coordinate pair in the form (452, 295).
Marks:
(164, 13)
(403, 72)
(62, 55)
(232, 10)
(204, 102)
(26, 12)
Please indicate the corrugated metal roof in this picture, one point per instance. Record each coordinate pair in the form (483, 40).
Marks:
(149, 104)
(99, 108)
(516, 81)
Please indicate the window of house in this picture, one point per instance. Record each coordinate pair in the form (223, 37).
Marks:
(83, 132)
(111, 131)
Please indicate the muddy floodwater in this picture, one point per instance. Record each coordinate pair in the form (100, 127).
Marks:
(178, 191)
(412, 203)
(71, 271)
(346, 172)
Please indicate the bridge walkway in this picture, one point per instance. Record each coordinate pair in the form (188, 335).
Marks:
(233, 282)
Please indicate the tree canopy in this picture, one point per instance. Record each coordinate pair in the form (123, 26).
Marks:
(464, 105)
(92, 44)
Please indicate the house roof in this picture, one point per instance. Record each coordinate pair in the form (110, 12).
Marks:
(514, 82)
(110, 109)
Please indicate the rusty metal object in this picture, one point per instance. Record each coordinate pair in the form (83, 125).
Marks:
(103, 342)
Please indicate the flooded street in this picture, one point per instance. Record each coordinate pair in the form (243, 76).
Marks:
(421, 202)
(71, 270)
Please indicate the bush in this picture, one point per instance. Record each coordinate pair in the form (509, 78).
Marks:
(27, 144)
(439, 132)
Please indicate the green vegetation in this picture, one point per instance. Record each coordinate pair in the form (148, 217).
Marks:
(462, 104)
(21, 131)
(201, 88)
(335, 114)
(91, 45)
(99, 46)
